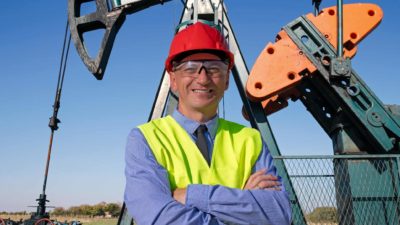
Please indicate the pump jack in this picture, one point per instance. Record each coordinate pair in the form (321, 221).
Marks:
(320, 77)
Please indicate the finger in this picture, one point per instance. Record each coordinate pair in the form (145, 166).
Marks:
(271, 177)
(253, 184)
(250, 181)
(262, 178)
(257, 173)
(263, 181)
(268, 184)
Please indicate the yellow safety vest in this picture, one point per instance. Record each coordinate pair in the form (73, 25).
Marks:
(236, 149)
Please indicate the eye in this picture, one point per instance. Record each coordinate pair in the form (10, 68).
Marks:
(213, 69)
(190, 70)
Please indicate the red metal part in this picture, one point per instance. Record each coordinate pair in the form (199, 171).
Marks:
(44, 221)
(281, 65)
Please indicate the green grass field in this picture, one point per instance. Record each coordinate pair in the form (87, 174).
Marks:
(83, 220)
(102, 222)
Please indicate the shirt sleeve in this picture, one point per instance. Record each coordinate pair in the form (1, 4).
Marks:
(243, 206)
(148, 197)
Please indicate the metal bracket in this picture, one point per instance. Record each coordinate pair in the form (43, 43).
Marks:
(101, 19)
(110, 20)
(340, 69)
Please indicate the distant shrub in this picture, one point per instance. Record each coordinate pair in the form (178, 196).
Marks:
(323, 214)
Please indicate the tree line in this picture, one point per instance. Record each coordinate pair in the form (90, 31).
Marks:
(102, 209)
(13, 213)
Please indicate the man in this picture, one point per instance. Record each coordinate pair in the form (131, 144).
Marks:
(179, 172)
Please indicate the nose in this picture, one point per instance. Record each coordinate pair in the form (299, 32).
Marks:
(202, 76)
(201, 69)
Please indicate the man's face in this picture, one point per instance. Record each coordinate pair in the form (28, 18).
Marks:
(200, 81)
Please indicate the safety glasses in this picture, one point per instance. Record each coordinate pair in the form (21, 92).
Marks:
(213, 68)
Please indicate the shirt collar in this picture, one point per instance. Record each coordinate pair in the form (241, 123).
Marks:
(190, 125)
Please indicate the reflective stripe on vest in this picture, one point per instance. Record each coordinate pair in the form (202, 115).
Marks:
(236, 149)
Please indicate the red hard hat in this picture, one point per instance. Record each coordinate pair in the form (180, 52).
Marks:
(198, 37)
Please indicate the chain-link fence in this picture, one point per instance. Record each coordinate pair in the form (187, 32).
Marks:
(344, 189)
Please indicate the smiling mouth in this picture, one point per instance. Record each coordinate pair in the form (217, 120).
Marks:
(202, 90)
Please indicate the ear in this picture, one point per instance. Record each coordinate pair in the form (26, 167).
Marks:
(227, 81)
(172, 81)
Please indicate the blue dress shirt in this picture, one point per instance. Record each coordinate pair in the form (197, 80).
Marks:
(149, 199)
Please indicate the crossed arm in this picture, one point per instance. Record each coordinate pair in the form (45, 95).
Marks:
(150, 201)
(258, 180)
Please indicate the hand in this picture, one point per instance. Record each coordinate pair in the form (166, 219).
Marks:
(179, 195)
(260, 180)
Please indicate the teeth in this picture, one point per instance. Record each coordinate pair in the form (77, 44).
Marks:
(201, 91)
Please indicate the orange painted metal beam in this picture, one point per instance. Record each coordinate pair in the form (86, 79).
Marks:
(359, 20)
(278, 67)
(281, 65)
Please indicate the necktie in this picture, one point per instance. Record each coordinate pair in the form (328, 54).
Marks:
(201, 141)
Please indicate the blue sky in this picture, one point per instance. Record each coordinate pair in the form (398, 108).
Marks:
(96, 116)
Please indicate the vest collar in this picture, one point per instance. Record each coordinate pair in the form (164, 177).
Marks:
(190, 125)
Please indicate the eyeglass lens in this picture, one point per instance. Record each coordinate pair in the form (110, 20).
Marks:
(212, 67)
